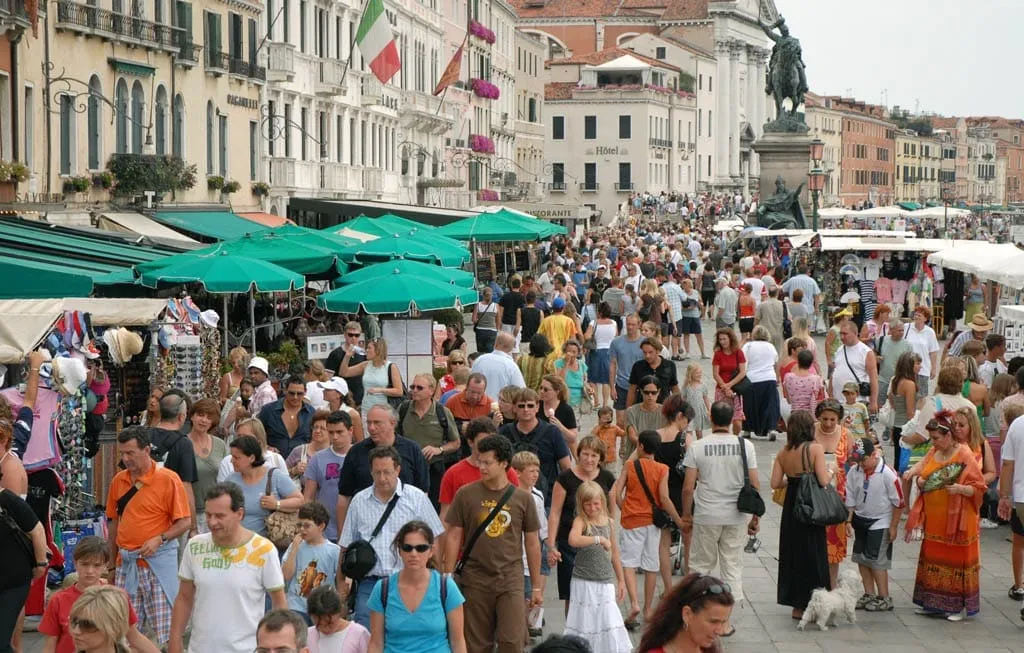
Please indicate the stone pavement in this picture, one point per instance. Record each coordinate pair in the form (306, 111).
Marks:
(762, 626)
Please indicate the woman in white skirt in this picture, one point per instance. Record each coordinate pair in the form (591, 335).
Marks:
(597, 581)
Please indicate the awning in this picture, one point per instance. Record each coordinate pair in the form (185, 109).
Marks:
(37, 280)
(265, 219)
(910, 206)
(140, 224)
(1002, 263)
(118, 312)
(322, 214)
(131, 67)
(221, 225)
(1012, 313)
(897, 244)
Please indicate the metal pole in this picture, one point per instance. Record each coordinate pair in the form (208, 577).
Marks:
(814, 214)
(252, 318)
(225, 316)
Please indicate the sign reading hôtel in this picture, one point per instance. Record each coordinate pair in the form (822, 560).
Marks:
(602, 150)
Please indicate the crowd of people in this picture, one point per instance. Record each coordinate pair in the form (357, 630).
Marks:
(351, 509)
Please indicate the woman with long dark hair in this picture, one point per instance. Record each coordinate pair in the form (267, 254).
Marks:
(690, 618)
(903, 399)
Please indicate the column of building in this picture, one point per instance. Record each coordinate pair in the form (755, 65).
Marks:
(755, 95)
(735, 50)
(722, 102)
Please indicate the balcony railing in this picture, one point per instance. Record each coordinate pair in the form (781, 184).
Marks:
(660, 142)
(556, 186)
(15, 9)
(281, 62)
(589, 186)
(238, 66)
(116, 26)
(259, 73)
(623, 185)
(188, 52)
(329, 75)
(217, 62)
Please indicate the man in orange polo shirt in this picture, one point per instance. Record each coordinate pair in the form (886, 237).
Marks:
(472, 402)
(147, 508)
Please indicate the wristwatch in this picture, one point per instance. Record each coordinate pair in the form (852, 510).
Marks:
(163, 538)
(44, 563)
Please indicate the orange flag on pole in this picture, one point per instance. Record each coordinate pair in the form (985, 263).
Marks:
(451, 72)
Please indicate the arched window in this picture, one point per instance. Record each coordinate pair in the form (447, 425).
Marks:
(177, 147)
(94, 136)
(160, 120)
(138, 116)
(210, 135)
(121, 119)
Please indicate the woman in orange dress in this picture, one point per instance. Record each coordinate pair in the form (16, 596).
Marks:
(946, 515)
(834, 438)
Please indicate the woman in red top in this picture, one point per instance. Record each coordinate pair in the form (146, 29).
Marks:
(746, 306)
(691, 618)
(729, 367)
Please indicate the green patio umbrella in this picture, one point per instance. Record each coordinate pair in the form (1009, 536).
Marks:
(223, 272)
(423, 270)
(398, 221)
(398, 292)
(554, 229)
(415, 246)
(496, 227)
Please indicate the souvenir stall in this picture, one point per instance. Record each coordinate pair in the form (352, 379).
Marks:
(1001, 268)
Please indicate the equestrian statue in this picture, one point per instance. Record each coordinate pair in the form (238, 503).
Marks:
(786, 78)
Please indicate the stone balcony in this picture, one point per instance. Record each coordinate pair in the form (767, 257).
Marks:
(280, 62)
(421, 112)
(328, 78)
(320, 178)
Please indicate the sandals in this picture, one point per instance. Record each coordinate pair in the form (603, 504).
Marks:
(632, 624)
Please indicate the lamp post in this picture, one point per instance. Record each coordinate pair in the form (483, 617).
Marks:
(948, 194)
(816, 179)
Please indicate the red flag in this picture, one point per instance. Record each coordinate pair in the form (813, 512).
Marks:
(451, 72)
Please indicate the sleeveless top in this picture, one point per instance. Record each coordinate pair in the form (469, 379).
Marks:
(975, 295)
(604, 334)
(375, 377)
(487, 316)
(899, 410)
(966, 392)
(593, 563)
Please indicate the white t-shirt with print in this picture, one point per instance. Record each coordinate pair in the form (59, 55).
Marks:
(1013, 449)
(230, 586)
(716, 458)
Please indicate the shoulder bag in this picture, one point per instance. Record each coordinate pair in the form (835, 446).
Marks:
(743, 384)
(471, 542)
(281, 526)
(749, 500)
(359, 557)
(661, 516)
(787, 324)
(815, 505)
(396, 402)
(863, 387)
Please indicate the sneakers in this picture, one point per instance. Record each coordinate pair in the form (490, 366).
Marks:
(988, 523)
(880, 604)
(864, 600)
(1016, 593)
(957, 616)
(773, 435)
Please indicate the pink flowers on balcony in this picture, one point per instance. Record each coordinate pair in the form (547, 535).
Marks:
(481, 32)
(481, 144)
(484, 89)
(487, 195)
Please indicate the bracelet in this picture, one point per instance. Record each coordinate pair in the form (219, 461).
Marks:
(278, 505)
(33, 369)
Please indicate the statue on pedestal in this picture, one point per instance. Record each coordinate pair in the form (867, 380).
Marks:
(782, 210)
(786, 78)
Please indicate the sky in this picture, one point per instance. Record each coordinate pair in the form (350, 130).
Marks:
(951, 57)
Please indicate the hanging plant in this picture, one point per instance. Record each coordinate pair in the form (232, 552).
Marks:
(103, 180)
(485, 89)
(19, 172)
(215, 182)
(483, 33)
(481, 144)
(78, 184)
(231, 187)
(5, 171)
(260, 189)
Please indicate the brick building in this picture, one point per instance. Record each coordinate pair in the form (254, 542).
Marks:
(869, 161)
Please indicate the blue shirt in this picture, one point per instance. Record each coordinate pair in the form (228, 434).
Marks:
(281, 487)
(314, 566)
(355, 473)
(277, 435)
(324, 468)
(422, 631)
(625, 353)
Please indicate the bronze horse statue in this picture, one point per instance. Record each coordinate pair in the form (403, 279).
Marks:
(786, 77)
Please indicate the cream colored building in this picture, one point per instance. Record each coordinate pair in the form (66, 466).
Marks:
(909, 148)
(166, 78)
(826, 124)
(982, 187)
(611, 116)
(530, 116)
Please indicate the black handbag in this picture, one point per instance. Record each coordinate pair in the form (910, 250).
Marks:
(863, 387)
(743, 385)
(787, 324)
(661, 517)
(749, 500)
(360, 558)
(815, 505)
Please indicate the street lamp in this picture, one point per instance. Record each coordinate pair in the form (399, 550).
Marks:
(816, 179)
(948, 195)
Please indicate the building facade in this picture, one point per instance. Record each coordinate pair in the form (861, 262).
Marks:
(531, 116)
(983, 186)
(16, 131)
(611, 115)
(869, 141)
(826, 125)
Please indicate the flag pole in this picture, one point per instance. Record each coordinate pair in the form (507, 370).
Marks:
(444, 94)
(352, 47)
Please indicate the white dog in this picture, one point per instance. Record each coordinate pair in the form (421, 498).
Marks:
(825, 605)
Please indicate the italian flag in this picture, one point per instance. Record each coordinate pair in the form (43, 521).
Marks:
(377, 43)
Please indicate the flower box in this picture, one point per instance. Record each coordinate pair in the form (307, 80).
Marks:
(484, 89)
(483, 33)
(481, 144)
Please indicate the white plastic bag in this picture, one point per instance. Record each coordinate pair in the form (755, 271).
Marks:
(886, 416)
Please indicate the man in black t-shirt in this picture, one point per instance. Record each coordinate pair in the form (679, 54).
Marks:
(531, 317)
(170, 448)
(353, 332)
(598, 284)
(510, 306)
(652, 364)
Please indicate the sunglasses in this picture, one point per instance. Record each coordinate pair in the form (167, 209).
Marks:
(715, 589)
(418, 548)
(935, 426)
(527, 405)
(296, 393)
(84, 625)
(352, 335)
(650, 392)
(417, 387)
(456, 363)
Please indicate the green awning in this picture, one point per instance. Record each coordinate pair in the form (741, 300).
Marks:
(910, 206)
(222, 225)
(37, 280)
(73, 247)
(131, 67)
(122, 276)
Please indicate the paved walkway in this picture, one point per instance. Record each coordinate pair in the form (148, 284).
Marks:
(762, 626)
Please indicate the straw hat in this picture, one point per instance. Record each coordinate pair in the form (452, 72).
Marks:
(980, 322)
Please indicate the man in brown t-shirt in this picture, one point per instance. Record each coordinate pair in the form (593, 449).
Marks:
(492, 577)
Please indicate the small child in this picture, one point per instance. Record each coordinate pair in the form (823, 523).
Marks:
(331, 632)
(874, 497)
(855, 413)
(311, 559)
(527, 466)
(696, 394)
(597, 581)
(608, 431)
(92, 557)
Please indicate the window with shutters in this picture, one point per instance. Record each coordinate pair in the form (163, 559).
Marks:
(304, 124)
(160, 120)
(178, 142)
(590, 176)
(558, 128)
(210, 136)
(222, 134)
(67, 134)
(121, 117)
(589, 127)
(625, 127)
(94, 120)
(287, 130)
(254, 149)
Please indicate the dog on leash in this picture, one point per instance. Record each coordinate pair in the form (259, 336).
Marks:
(826, 605)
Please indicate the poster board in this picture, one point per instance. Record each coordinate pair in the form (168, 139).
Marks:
(410, 345)
(320, 347)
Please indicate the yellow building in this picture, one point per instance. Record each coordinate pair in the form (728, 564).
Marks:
(826, 124)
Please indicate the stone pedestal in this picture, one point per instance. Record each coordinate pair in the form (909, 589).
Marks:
(788, 155)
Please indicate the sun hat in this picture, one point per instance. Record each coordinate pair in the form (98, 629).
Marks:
(980, 322)
(260, 363)
(70, 374)
(850, 386)
(335, 383)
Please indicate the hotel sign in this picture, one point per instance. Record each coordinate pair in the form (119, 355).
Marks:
(602, 150)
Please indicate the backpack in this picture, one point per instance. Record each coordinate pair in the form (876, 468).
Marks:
(439, 410)
(20, 537)
(160, 452)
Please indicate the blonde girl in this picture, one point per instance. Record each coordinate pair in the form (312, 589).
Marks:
(98, 620)
(696, 393)
(597, 582)
(1003, 386)
(967, 430)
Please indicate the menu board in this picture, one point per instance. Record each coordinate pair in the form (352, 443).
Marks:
(410, 345)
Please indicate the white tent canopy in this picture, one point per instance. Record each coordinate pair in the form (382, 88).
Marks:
(1011, 313)
(1002, 263)
(880, 212)
(889, 244)
(933, 212)
(834, 213)
(139, 224)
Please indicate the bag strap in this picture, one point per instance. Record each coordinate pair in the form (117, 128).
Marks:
(643, 482)
(270, 478)
(383, 518)
(806, 457)
(850, 367)
(122, 503)
(471, 542)
(743, 457)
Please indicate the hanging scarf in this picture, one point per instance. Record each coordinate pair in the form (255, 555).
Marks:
(958, 515)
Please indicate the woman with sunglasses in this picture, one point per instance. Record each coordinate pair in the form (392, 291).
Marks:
(946, 517)
(456, 360)
(413, 615)
(380, 377)
(690, 618)
(99, 621)
(644, 416)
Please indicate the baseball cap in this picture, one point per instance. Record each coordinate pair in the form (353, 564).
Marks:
(557, 303)
(862, 448)
(335, 383)
(602, 267)
(259, 363)
(851, 386)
